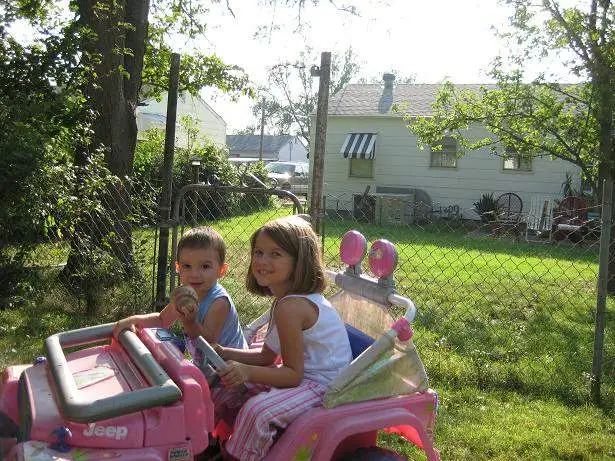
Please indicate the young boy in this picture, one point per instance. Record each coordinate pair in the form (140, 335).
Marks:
(200, 262)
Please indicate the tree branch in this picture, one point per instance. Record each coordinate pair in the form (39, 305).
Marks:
(576, 41)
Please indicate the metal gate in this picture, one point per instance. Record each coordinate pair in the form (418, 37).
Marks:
(235, 212)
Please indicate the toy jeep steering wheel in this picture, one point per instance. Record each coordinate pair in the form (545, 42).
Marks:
(212, 356)
(212, 361)
(216, 362)
(75, 407)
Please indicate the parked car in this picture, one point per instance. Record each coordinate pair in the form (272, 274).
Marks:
(291, 176)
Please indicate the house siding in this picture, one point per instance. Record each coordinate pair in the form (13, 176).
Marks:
(400, 162)
(210, 124)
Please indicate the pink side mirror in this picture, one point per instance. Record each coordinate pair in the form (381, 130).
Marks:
(382, 258)
(353, 248)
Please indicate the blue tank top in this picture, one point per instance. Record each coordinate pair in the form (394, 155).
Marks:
(231, 334)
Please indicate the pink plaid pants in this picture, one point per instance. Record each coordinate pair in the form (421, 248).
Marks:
(260, 412)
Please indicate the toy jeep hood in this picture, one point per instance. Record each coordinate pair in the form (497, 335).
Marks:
(97, 376)
(107, 396)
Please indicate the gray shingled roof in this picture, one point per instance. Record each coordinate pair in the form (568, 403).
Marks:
(364, 99)
(252, 142)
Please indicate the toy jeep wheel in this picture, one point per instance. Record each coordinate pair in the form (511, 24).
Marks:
(373, 454)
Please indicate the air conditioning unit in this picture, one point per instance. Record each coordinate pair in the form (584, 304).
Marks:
(394, 209)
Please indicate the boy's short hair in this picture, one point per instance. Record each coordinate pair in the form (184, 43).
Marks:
(296, 237)
(203, 238)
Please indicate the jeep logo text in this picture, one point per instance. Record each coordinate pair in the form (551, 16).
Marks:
(111, 432)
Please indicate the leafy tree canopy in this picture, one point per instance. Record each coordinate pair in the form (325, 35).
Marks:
(525, 119)
(67, 108)
(541, 117)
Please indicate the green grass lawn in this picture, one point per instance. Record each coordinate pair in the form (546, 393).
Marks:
(505, 331)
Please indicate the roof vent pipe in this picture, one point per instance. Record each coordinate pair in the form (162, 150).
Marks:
(386, 100)
(388, 80)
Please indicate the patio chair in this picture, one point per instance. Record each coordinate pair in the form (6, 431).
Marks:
(508, 209)
(540, 218)
(570, 220)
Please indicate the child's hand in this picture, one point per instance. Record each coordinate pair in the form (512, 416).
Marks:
(128, 323)
(234, 374)
(185, 300)
(219, 350)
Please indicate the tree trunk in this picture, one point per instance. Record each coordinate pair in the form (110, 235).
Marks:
(603, 81)
(116, 55)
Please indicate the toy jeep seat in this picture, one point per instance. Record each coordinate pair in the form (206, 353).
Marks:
(359, 341)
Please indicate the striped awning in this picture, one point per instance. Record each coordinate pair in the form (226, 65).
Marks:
(362, 145)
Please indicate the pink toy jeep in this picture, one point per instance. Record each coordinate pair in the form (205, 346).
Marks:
(139, 398)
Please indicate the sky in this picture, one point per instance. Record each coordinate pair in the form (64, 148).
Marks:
(431, 40)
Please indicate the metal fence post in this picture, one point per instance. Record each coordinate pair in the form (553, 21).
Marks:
(167, 174)
(322, 229)
(603, 279)
(320, 139)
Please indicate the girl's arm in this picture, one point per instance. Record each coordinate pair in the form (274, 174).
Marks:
(291, 316)
(163, 319)
(212, 324)
(261, 357)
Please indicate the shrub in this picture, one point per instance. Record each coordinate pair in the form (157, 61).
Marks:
(485, 208)
(215, 169)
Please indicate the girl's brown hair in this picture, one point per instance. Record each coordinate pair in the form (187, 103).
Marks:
(296, 237)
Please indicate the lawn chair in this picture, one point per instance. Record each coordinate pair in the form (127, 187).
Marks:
(570, 220)
(508, 209)
(540, 218)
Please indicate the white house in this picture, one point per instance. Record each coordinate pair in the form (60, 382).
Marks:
(370, 148)
(153, 114)
(284, 148)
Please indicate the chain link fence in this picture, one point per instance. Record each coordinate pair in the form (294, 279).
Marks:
(101, 263)
(504, 302)
(506, 299)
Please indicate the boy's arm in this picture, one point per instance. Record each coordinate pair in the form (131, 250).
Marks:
(162, 319)
(212, 324)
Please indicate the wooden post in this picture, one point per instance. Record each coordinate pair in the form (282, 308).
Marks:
(603, 276)
(167, 177)
(320, 138)
(260, 150)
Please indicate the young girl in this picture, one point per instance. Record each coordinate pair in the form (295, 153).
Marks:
(200, 263)
(305, 330)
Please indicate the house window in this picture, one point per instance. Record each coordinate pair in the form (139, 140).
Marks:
(361, 168)
(515, 162)
(446, 156)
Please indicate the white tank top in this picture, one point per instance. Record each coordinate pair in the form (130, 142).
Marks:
(326, 345)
